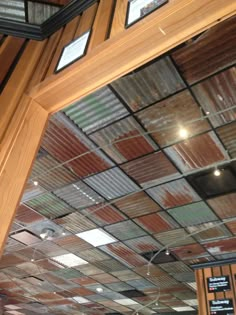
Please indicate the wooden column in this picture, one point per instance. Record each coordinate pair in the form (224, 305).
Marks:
(205, 296)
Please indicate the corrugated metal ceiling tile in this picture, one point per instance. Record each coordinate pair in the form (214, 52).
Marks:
(193, 214)
(64, 141)
(137, 204)
(227, 134)
(197, 152)
(209, 53)
(78, 195)
(50, 206)
(125, 230)
(143, 244)
(130, 143)
(216, 94)
(12, 10)
(112, 183)
(222, 246)
(96, 110)
(151, 169)
(179, 237)
(149, 84)
(190, 251)
(224, 206)
(164, 119)
(92, 255)
(26, 216)
(173, 194)
(75, 223)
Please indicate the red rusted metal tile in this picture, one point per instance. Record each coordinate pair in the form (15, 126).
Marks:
(217, 94)
(143, 244)
(232, 226)
(104, 215)
(72, 243)
(161, 119)
(227, 134)
(9, 260)
(104, 278)
(209, 53)
(75, 223)
(224, 206)
(173, 194)
(26, 238)
(123, 141)
(155, 223)
(137, 204)
(64, 142)
(189, 251)
(25, 215)
(83, 281)
(222, 246)
(82, 291)
(151, 169)
(197, 152)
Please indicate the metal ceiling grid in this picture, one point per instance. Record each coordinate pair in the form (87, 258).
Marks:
(135, 194)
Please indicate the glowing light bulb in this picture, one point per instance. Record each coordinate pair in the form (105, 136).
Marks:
(35, 183)
(167, 252)
(148, 273)
(99, 290)
(183, 133)
(217, 172)
(32, 259)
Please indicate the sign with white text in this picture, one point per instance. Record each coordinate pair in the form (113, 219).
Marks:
(218, 284)
(222, 307)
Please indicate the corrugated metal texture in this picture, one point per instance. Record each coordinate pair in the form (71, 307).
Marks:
(165, 118)
(105, 278)
(211, 52)
(125, 149)
(51, 249)
(31, 191)
(78, 195)
(212, 233)
(197, 152)
(125, 230)
(40, 12)
(75, 223)
(104, 216)
(221, 247)
(112, 183)
(227, 134)
(151, 169)
(92, 255)
(193, 214)
(119, 286)
(137, 204)
(55, 178)
(175, 267)
(224, 206)
(110, 265)
(12, 10)
(143, 244)
(72, 243)
(156, 223)
(216, 94)
(149, 84)
(124, 254)
(189, 251)
(64, 141)
(173, 194)
(125, 275)
(50, 206)
(96, 110)
(232, 226)
(178, 237)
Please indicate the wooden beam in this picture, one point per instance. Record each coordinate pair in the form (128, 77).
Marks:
(159, 32)
(27, 126)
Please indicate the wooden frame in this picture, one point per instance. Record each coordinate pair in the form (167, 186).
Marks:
(25, 107)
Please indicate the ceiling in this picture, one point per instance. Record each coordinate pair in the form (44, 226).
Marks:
(115, 182)
(32, 12)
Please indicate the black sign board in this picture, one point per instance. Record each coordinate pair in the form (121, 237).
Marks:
(218, 284)
(222, 307)
(137, 9)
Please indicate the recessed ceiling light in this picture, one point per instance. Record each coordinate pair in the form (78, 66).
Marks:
(80, 300)
(96, 237)
(217, 172)
(183, 133)
(99, 290)
(183, 309)
(70, 260)
(125, 302)
(35, 183)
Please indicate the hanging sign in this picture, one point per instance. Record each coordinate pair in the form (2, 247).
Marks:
(73, 51)
(218, 284)
(222, 307)
(137, 9)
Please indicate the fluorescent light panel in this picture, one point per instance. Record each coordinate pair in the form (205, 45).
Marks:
(81, 300)
(125, 302)
(70, 260)
(97, 237)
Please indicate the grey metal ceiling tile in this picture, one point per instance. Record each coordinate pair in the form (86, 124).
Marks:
(125, 230)
(149, 84)
(143, 244)
(92, 255)
(110, 265)
(75, 222)
(141, 284)
(175, 267)
(179, 237)
(112, 183)
(185, 276)
(78, 195)
(193, 214)
(119, 286)
(12, 10)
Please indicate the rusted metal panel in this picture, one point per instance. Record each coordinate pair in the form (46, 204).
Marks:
(149, 84)
(178, 237)
(197, 152)
(152, 169)
(227, 134)
(75, 223)
(173, 194)
(125, 230)
(218, 94)
(124, 140)
(143, 244)
(224, 206)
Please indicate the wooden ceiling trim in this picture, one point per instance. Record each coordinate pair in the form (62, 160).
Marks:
(171, 25)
